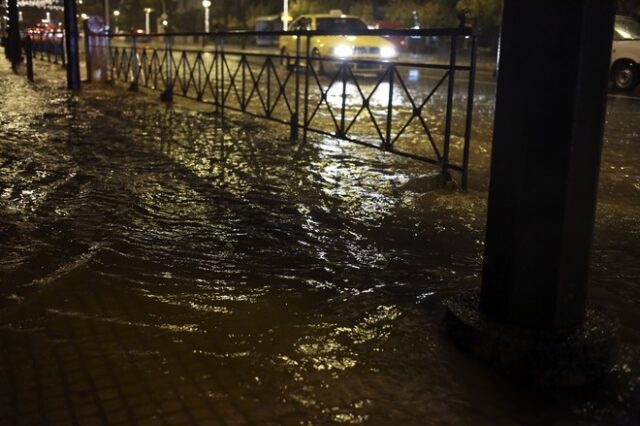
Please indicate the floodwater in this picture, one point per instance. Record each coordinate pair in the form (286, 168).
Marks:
(161, 265)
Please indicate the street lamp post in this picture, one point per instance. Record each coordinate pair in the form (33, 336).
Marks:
(147, 22)
(116, 13)
(285, 15)
(206, 4)
(106, 15)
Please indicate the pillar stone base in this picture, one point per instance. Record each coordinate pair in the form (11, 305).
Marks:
(543, 358)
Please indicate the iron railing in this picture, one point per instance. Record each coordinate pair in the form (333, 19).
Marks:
(48, 47)
(409, 105)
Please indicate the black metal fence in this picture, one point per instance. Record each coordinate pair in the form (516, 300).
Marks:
(413, 104)
(47, 47)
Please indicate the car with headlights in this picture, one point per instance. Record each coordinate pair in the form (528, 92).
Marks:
(625, 54)
(366, 53)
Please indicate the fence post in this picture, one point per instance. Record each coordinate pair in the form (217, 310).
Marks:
(63, 51)
(306, 89)
(28, 51)
(296, 103)
(167, 95)
(243, 64)
(216, 77)
(387, 140)
(469, 118)
(343, 105)
(222, 64)
(449, 111)
(134, 64)
(87, 51)
(106, 50)
(269, 65)
(54, 49)
(59, 48)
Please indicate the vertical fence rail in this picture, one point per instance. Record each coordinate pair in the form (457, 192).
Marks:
(449, 112)
(221, 65)
(63, 52)
(469, 115)
(243, 99)
(28, 48)
(135, 64)
(87, 55)
(216, 66)
(343, 107)
(269, 65)
(167, 95)
(294, 115)
(387, 141)
(307, 72)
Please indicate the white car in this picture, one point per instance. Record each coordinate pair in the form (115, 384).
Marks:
(625, 55)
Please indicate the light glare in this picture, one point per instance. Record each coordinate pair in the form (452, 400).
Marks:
(388, 52)
(343, 51)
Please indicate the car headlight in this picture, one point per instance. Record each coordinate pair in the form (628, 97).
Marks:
(388, 52)
(343, 51)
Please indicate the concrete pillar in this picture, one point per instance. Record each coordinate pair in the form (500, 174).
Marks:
(531, 321)
(71, 44)
(550, 108)
(13, 36)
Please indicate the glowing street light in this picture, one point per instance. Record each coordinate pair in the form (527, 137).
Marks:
(206, 4)
(116, 13)
(147, 22)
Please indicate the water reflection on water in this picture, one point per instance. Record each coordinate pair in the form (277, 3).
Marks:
(162, 265)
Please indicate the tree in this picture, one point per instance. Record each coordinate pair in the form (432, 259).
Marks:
(629, 8)
(431, 13)
(487, 14)
(363, 9)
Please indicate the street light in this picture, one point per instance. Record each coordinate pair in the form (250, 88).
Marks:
(206, 4)
(116, 13)
(147, 23)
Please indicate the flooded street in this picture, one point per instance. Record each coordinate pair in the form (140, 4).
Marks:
(163, 265)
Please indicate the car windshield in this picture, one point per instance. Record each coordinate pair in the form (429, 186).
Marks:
(340, 24)
(626, 29)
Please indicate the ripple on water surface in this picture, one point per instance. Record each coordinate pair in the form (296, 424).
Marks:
(164, 262)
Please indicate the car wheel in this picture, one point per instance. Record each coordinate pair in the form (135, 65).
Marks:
(625, 75)
(316, 62)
